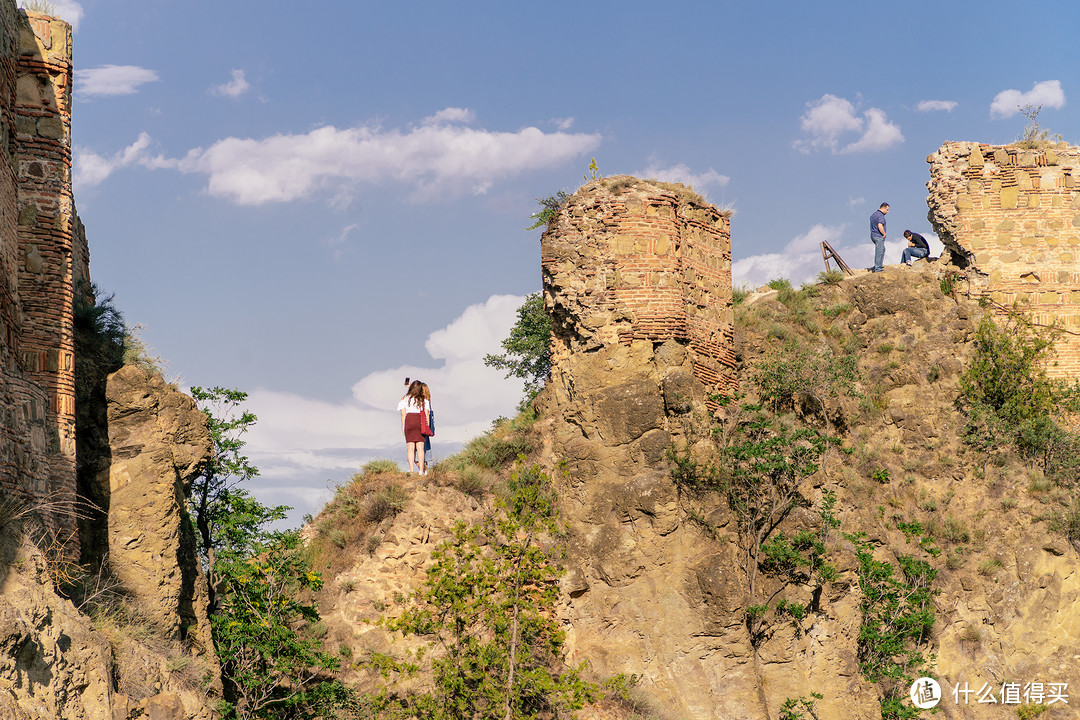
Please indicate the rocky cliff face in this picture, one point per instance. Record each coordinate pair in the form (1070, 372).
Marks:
(157, 439)
(654, 592)
(138, 644)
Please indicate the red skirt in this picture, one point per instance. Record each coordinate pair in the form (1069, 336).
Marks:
(412, 428)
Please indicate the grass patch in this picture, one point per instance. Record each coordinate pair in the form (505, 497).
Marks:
(379, 466)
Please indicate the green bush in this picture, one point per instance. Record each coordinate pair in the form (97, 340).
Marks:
(830, 277)
(897, 617)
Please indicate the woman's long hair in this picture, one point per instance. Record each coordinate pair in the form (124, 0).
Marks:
(416, 393)
(425, 391)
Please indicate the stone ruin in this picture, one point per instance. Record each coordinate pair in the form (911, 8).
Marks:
(1011, 216)
(44, 265)
(629, 260)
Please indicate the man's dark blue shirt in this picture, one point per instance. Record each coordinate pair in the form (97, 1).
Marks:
(877, 217)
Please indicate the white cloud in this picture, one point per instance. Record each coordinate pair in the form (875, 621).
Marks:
(91, 169)
(1047, 93)
(70, 11)
(563, 123)
(880, 134)
(298, 442)
(830, 117)
(936, 105)
(856, 201)
(436, 157)
(235, 87)
(682, 174)
(801, 260)
(112, 80)
(451, 115)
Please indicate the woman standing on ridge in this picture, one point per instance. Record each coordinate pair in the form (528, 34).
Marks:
(410, 407)
(431, 427)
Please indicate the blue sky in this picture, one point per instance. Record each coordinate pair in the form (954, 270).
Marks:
(310, 202)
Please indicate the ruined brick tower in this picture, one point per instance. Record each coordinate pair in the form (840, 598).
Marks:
(630, 259)
(1012, 215)
(44, 263)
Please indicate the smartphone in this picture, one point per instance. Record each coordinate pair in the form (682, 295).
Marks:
(406, 381)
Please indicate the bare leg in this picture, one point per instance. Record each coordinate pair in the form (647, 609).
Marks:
(410, 452)
(420, 457)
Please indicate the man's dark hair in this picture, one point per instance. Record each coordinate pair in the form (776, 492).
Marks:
(883, 205)
(907, 233)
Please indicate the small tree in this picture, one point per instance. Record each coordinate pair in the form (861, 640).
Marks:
(272, 666)
(528, 347)
(213, 489)
(487, 606)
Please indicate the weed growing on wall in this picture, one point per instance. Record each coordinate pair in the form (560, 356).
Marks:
(487, 604)
(549, 210)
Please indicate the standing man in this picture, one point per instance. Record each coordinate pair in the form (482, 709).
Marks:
(877, 235)
(917, 248)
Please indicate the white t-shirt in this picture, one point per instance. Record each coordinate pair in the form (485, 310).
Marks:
(409, 405)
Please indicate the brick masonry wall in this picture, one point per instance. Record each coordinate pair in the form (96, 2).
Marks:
(628, 260)
(1013, 216)
(43, 254)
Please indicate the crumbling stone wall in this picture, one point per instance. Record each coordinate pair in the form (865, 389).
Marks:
(1012, 215)
(44, 261)
(630, 260)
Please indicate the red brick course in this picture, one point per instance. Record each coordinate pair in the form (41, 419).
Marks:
(633, 260)
(43, 254)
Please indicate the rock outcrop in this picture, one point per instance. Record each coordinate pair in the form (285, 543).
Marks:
(157, 439)
(648, 592)
(146, 649)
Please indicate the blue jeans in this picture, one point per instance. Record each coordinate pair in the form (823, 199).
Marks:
(879, 252)
(913, 253)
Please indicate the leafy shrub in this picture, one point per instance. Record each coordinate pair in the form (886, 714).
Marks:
(898, 615)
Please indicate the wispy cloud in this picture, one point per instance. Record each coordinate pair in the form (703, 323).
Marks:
(91, 169)
(451, 115)
(563, 123)
(440, 156)
(830, 118)
(681, 173)
(235, 87)
(936, 105)
(1047, 93)
(112, 80)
